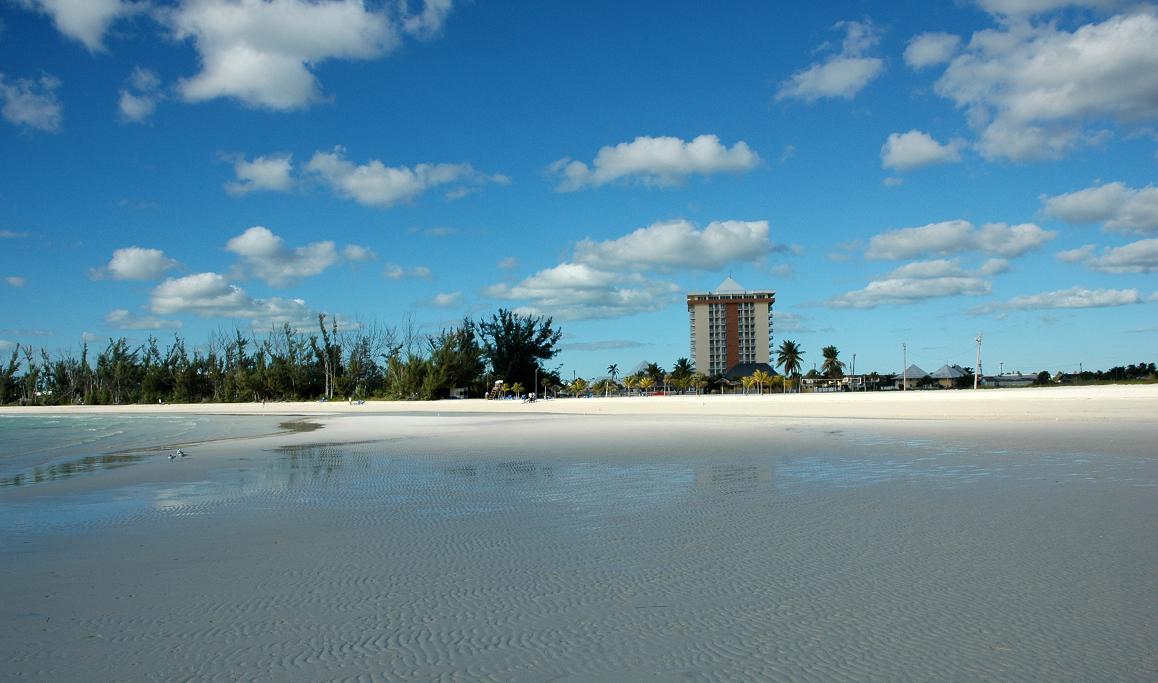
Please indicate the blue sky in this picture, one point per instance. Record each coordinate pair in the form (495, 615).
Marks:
(900, 173)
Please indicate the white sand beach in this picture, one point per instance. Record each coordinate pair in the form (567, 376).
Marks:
(990, 535)
(1130, 403)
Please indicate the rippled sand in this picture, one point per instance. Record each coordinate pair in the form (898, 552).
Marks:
(598, 547)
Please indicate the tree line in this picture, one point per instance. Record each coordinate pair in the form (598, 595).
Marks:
(290, 364)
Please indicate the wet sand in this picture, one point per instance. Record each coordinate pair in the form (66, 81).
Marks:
(502, 541)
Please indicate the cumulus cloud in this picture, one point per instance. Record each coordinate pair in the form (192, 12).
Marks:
(375, 184)
(914, 149)
(427, 23)
(952, 237)
(655, 161)
(1030, 7)
(446, 300)
(1037, 91)
(577, 291)
(1075, 297)
(85, 21)
(135, 263)
(124, 320)
(929, 49)
(209, 295)
(14, 280)
(394, 271)
(31, 103)
(140, 95)
(278, 265)
(913, 283)
(605, 279)
(264, 52)
(272, 173)
(678, 244)
(995, 266)
(1118, 207)
(842, 74)
(261, 51)
(1136, 257)
(355, 253)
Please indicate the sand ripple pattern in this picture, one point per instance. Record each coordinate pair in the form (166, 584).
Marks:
(845, 559)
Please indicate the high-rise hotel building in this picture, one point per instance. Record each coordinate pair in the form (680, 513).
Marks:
(729, 326)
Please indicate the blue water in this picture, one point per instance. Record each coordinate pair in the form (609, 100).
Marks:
(40, 447)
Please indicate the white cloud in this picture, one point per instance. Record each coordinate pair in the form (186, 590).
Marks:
(1118, 207)
(952, 237)
(375, 184)
(788, 321)
(272, 173)
(928, 49)
(1136, 257)
(11, 234)
(1029, 7)
(140, 95)
(261, 52)
(429, 21)
(655, 161)
(124, 320)
(7, 346)
(995, 266)
(394, 271)
(675, 244)
(355, 253)
(1036, 91)
(136, 263)
(843, 74)
(85, 20)
(208, 295)
(577, 291)
(914, 283)
(914, 149)
(15, 280)
(509, 263)
(1075, 297)
(31, 103)
(446, 300)
(278, 265)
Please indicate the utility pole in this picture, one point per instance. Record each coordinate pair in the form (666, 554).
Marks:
(904, 367)
(977, 366)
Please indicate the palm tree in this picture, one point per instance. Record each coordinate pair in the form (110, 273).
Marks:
(683, 368)
(748, 381)
(761, 377)
(578, 386)
(630, 382)
(517, 388)
(699, 381)
(788, 357)
(832, 367)
(613, 370)
(646, 382)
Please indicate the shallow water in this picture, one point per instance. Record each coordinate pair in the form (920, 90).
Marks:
(855, 559)
(39, 448)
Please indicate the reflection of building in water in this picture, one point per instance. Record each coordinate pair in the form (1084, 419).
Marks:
(737, 477)
(730, 326)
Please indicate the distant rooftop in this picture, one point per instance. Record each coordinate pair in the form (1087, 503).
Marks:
(729, 288)
(729, 285)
